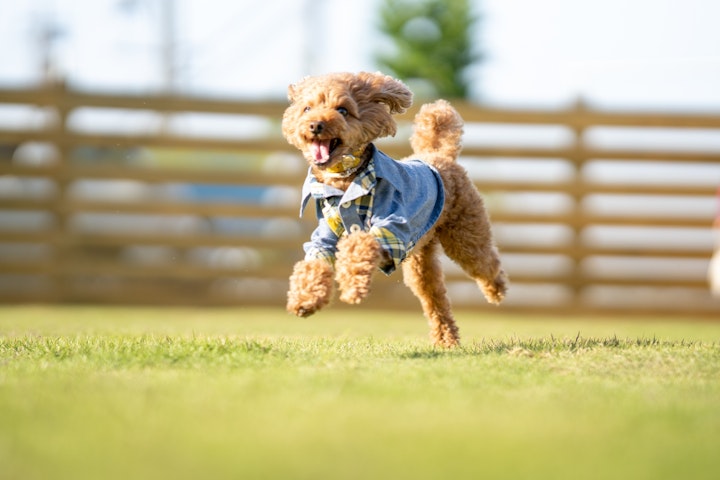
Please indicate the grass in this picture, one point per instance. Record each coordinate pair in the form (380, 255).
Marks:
(246, 393)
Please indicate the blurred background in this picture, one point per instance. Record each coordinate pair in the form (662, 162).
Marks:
(141, 159)
(614, 53)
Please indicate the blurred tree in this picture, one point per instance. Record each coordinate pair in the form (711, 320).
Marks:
(432, 43)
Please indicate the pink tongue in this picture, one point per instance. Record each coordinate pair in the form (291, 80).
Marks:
(320, 150)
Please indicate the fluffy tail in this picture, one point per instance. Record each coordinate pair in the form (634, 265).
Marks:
(438, 130)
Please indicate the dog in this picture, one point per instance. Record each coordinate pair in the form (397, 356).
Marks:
(375, 212)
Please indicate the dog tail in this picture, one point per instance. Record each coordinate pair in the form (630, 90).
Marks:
(437, 131)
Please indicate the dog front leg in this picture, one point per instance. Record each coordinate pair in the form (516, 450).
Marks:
(357, 258)
(310, 287)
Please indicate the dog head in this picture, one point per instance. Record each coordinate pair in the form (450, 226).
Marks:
(337, 115)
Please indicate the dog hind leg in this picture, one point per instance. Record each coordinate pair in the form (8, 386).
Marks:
(422, 273)
(472, 248)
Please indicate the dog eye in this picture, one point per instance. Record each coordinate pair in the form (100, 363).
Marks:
(342, 111)
(306, 109)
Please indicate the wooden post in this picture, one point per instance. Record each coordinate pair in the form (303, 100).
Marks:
(577, 280)
(61, 248)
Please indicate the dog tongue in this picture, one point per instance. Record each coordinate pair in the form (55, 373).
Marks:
(320, 150)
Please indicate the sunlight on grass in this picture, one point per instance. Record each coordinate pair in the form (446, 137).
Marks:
(91, 392)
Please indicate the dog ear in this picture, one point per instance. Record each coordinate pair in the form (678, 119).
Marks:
(389, 91)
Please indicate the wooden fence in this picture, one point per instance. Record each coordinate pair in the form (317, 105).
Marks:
(130, 199)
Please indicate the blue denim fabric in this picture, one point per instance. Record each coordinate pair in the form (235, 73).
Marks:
(403, 200)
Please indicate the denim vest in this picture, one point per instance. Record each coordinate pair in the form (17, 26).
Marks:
(397, 202)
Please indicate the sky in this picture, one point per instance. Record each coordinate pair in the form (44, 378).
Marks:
(647, 54)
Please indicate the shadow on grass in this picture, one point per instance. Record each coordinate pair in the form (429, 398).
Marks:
(550, 345)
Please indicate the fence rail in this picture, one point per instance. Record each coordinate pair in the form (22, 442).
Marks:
(594, 211)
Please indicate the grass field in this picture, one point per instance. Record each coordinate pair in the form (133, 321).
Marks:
(247, 393)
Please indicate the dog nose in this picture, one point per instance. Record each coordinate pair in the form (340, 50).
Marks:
(316, 127)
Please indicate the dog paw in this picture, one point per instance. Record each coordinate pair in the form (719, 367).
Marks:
(355, 284)
(303, 306)
(302, 310)
(495, 291)
(445, 334)
(449, 342)
(355, 294)
(310, 287)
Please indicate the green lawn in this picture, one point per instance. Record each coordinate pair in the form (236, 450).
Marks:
(248, 393)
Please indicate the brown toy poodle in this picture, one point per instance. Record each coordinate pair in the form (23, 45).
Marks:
(378, 213)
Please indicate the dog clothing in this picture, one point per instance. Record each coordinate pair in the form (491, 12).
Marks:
(396, 202)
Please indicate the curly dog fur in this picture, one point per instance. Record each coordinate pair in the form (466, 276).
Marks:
(348, 112)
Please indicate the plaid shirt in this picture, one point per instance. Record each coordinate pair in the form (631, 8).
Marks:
(396, 202)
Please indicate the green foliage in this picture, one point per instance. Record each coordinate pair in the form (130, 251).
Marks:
(432, 42)
(235, 393)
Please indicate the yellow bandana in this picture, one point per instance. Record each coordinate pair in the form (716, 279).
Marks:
(347, 165)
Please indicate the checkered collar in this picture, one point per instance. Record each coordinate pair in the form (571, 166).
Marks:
(362, 185)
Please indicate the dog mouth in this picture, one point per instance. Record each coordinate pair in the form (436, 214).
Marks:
(322, 150)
